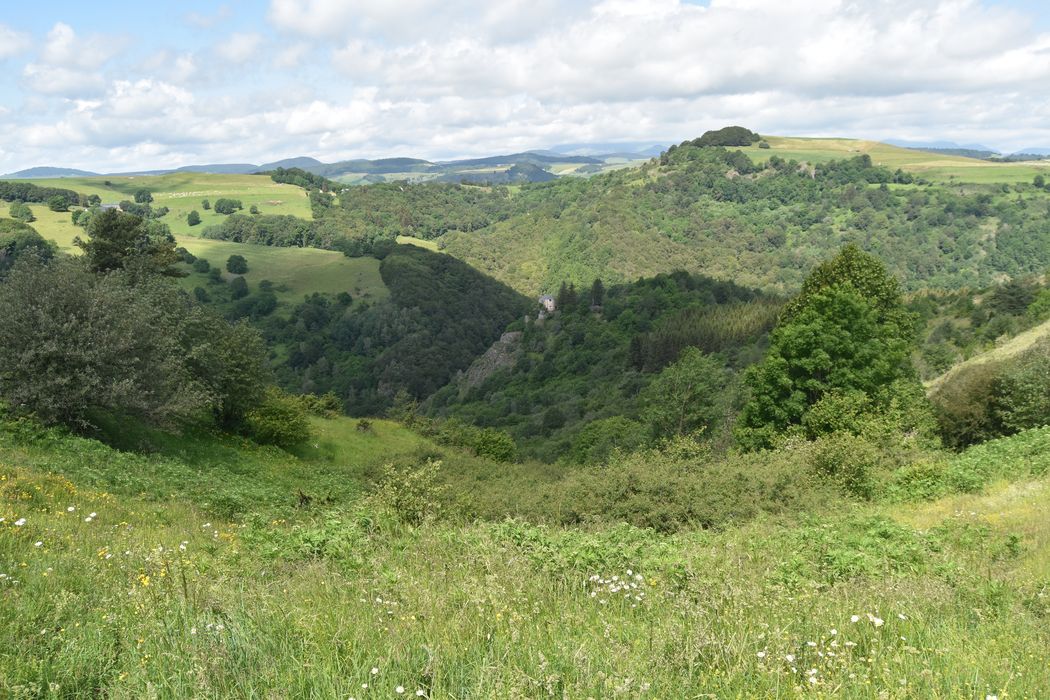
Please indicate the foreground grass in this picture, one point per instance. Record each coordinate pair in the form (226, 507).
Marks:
(109, 593)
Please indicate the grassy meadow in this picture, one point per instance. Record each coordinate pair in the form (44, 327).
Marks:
(184, 192)
(199, 570)
(295, 272)
(933, 166)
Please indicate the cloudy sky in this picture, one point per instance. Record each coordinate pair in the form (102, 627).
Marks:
(157, 84)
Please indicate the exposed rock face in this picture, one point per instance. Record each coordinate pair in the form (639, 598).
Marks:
(501, 355)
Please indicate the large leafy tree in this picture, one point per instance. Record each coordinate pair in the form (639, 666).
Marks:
(74, 343)
(847, 331)
(684, 397)
(120, 241)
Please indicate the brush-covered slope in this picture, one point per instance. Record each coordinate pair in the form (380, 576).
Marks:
(119, 580)
(713, 211)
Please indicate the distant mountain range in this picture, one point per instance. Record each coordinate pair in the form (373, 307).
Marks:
(528, 166)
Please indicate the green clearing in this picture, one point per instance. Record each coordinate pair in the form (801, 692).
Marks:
(420, 242)
(201, 571)
(934, 166)
(183, 193)
(295, 272)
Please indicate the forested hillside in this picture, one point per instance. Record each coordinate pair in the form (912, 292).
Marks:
(439, 316)
(592, 377)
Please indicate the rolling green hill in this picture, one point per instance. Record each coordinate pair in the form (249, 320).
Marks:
(934, 166)
(184, 192)
(709, 211)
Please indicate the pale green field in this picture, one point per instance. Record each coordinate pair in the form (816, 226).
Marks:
(934, 166)
(183, 192)
(295, 272)
(419, 242)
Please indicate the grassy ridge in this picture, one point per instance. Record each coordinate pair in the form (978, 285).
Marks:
(128, 595)
(183, 192)
(934, 166)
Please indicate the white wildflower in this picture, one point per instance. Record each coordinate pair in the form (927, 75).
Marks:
(761, 654)
(20, 522)
(374, 670)
(38, 544)
(70, 509)
(400, 689)
(854, 618)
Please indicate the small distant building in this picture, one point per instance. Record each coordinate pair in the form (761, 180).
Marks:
(107, 207)
(547, 302)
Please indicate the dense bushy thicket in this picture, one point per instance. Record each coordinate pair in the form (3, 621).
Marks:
(280, 230)
(17, 240)
(304, 179)
(74, 343)
(727, 136)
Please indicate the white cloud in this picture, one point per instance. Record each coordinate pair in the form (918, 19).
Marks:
(12, 43)
(240, 47)
(447, 78)
(64, 49)
(57, 80)
(203, 21)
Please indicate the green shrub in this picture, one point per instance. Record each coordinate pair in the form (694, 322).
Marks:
(494, 444)
(411, 494)
(599, 439)
(1024, 391)
(850, 461)
(278, 420)
(965, 405)
(681, 486)
(237, 265)
(22, 212)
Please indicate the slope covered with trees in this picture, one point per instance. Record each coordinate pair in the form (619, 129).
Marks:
(710, 210)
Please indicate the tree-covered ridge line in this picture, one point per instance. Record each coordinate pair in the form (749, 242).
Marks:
(704, 209)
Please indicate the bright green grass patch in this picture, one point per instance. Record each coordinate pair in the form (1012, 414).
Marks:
(183, 192)
(295, 272)
(419, 242)
(54, 226)
(935, 166)
(126, 597)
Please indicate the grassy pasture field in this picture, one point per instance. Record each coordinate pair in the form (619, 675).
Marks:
(295, 272)
(934, 166)
(183, 193)
(198, 571)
